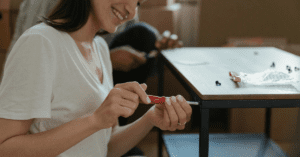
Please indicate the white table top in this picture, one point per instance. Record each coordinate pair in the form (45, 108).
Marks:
(202, 67)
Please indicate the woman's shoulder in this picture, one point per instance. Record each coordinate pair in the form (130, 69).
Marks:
(39, 37)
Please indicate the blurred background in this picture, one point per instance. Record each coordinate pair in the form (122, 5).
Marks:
(211, 23)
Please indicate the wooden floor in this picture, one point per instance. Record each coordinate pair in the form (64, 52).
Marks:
(149, 145)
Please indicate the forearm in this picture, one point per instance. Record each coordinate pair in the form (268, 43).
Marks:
(49, 143)
(126, 137)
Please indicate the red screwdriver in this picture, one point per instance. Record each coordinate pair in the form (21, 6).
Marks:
(160, 100)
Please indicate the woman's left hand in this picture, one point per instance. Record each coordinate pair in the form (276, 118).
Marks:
(172, 115)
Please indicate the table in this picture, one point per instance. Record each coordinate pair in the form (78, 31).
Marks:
(197, 69)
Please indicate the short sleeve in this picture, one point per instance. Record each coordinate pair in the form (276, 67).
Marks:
(26, 87)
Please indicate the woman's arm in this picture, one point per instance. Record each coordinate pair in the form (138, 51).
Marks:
(126, 137)
(47, 144)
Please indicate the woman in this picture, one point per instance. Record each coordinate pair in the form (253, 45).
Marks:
(57, 86)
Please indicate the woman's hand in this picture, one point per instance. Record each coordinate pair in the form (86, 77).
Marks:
(168, 41)
(122, 100)
(171, 115)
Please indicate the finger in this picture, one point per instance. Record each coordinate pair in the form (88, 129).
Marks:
(171, 43)
(182, 116)
(128, 104)
(129, 96)
(179, 44)
(185, 106)
(180, 113)
(158, 45)
(172, 114)
(135, 87)
(166, 34)
(166, 121)
(140, 58)
(125, 98)
(174, 37)
(144, 86)
(125, 112)
(164, 41)
(122, 108)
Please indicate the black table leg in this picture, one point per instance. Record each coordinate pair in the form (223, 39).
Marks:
(204, 133)
(160, 93)
(266, 139)
(160, 142)
(267, 129)
(268, 123)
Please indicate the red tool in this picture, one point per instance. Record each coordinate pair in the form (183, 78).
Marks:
(161, 100)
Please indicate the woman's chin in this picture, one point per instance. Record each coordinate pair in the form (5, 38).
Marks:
(112, 29)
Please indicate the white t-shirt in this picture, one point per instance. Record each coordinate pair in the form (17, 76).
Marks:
(47, 78)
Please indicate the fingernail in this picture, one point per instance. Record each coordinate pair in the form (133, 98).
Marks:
(174, 37)
(148, 99)
(180, 98)
(166, 33)
(173, 99)
(168, 100)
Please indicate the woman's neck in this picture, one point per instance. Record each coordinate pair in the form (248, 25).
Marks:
(87, 33)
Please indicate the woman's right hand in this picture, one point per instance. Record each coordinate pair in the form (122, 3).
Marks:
(122, 100)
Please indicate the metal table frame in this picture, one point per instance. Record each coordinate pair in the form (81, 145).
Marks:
(206, 105)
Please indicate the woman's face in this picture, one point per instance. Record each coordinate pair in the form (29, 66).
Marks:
(109, 14)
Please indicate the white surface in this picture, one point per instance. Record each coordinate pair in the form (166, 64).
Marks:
(215, 63)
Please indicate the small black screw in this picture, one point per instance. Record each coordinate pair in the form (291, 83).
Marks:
(218, 83)
(297, 69)
(288, 67)
(273, 64)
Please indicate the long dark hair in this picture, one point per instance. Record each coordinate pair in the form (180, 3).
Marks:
(74, 13)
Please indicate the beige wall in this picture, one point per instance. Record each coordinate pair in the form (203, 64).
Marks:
(248, 18)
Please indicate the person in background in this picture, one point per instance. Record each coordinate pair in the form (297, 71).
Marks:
(132, 58)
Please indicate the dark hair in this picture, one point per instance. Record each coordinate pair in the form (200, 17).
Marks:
(74, 13)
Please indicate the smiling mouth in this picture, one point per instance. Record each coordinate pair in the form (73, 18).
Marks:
(118, 14)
